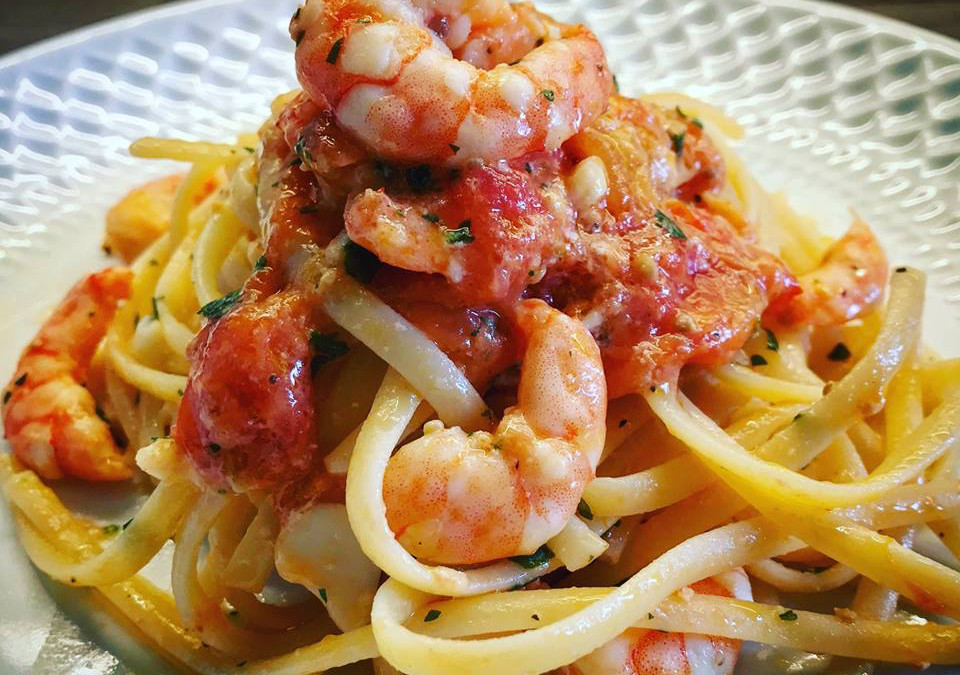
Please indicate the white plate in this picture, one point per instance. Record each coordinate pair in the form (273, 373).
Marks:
(843, 109)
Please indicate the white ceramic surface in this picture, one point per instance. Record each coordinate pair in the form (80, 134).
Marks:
(842, 109)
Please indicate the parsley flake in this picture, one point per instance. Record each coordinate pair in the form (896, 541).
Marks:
(431, 217)
(215, 309)
(213, 447)
(772, 343)
(432, 615)
(302, 152)
(6, 396)
(757, 360)
(789, 615)
(322, 592)
(156, 308)
(126, 524)
(536, 559)
(260, 264)
(360, 263)
(20, 381)
(665, 222)
(459, 235)
(334, 53)
(584, 510)
(327, 347)
(677, 140)
(455, 148)
(548, 94)
(111, 529)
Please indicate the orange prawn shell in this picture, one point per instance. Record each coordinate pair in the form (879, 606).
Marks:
(50, 418)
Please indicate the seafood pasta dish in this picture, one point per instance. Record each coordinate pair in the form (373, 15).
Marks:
(463, 362)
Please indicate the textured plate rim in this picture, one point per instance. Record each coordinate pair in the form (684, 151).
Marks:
(128, 21)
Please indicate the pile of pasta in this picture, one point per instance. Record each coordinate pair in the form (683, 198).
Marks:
(850, 472)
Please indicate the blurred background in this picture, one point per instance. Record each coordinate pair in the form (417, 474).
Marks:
(23, 22)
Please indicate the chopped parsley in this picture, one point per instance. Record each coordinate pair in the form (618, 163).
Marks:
(360, 263)
(327, 347)
(455, 148)
(789, 615)
(665, 222)
(548, 94)
(772, 343)
(757, 360)
(536, 559)
(334, 52)
(126, 524)
(458, 235)
(901, 270)
(215, 309)
(156, 308)
(301, 151)
(260, 264)
(322, 592)
(677, 140)
(6, 396)
(308, 208)
(432, 615)
(20, 381)
(697, 123)
(840, 352)
(616, 84)
(528, 166)
(213, 447)
(297, 40)
(111, 529)
(431, 217)
(584, 510)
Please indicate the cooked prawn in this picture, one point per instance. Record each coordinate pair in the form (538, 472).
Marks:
(391, 81)
(639, 651)
(50, 418)
(461, 498)
(140, 217)
(848, 283)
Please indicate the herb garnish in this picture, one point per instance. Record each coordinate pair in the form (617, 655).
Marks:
(322, 592)
(359, 263)
(677, 140)
(584, 510)
(536, 559)
(334, 53)
(772, 343)
(111, 529)
(327, 347)
(302, 152)
(215, 309)
(458, 235)
(432, 615)
(789, 615)
(20, 381)
(431, 217)
(757, 360)
(548, 94)
(665, 222)
(260, 264)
